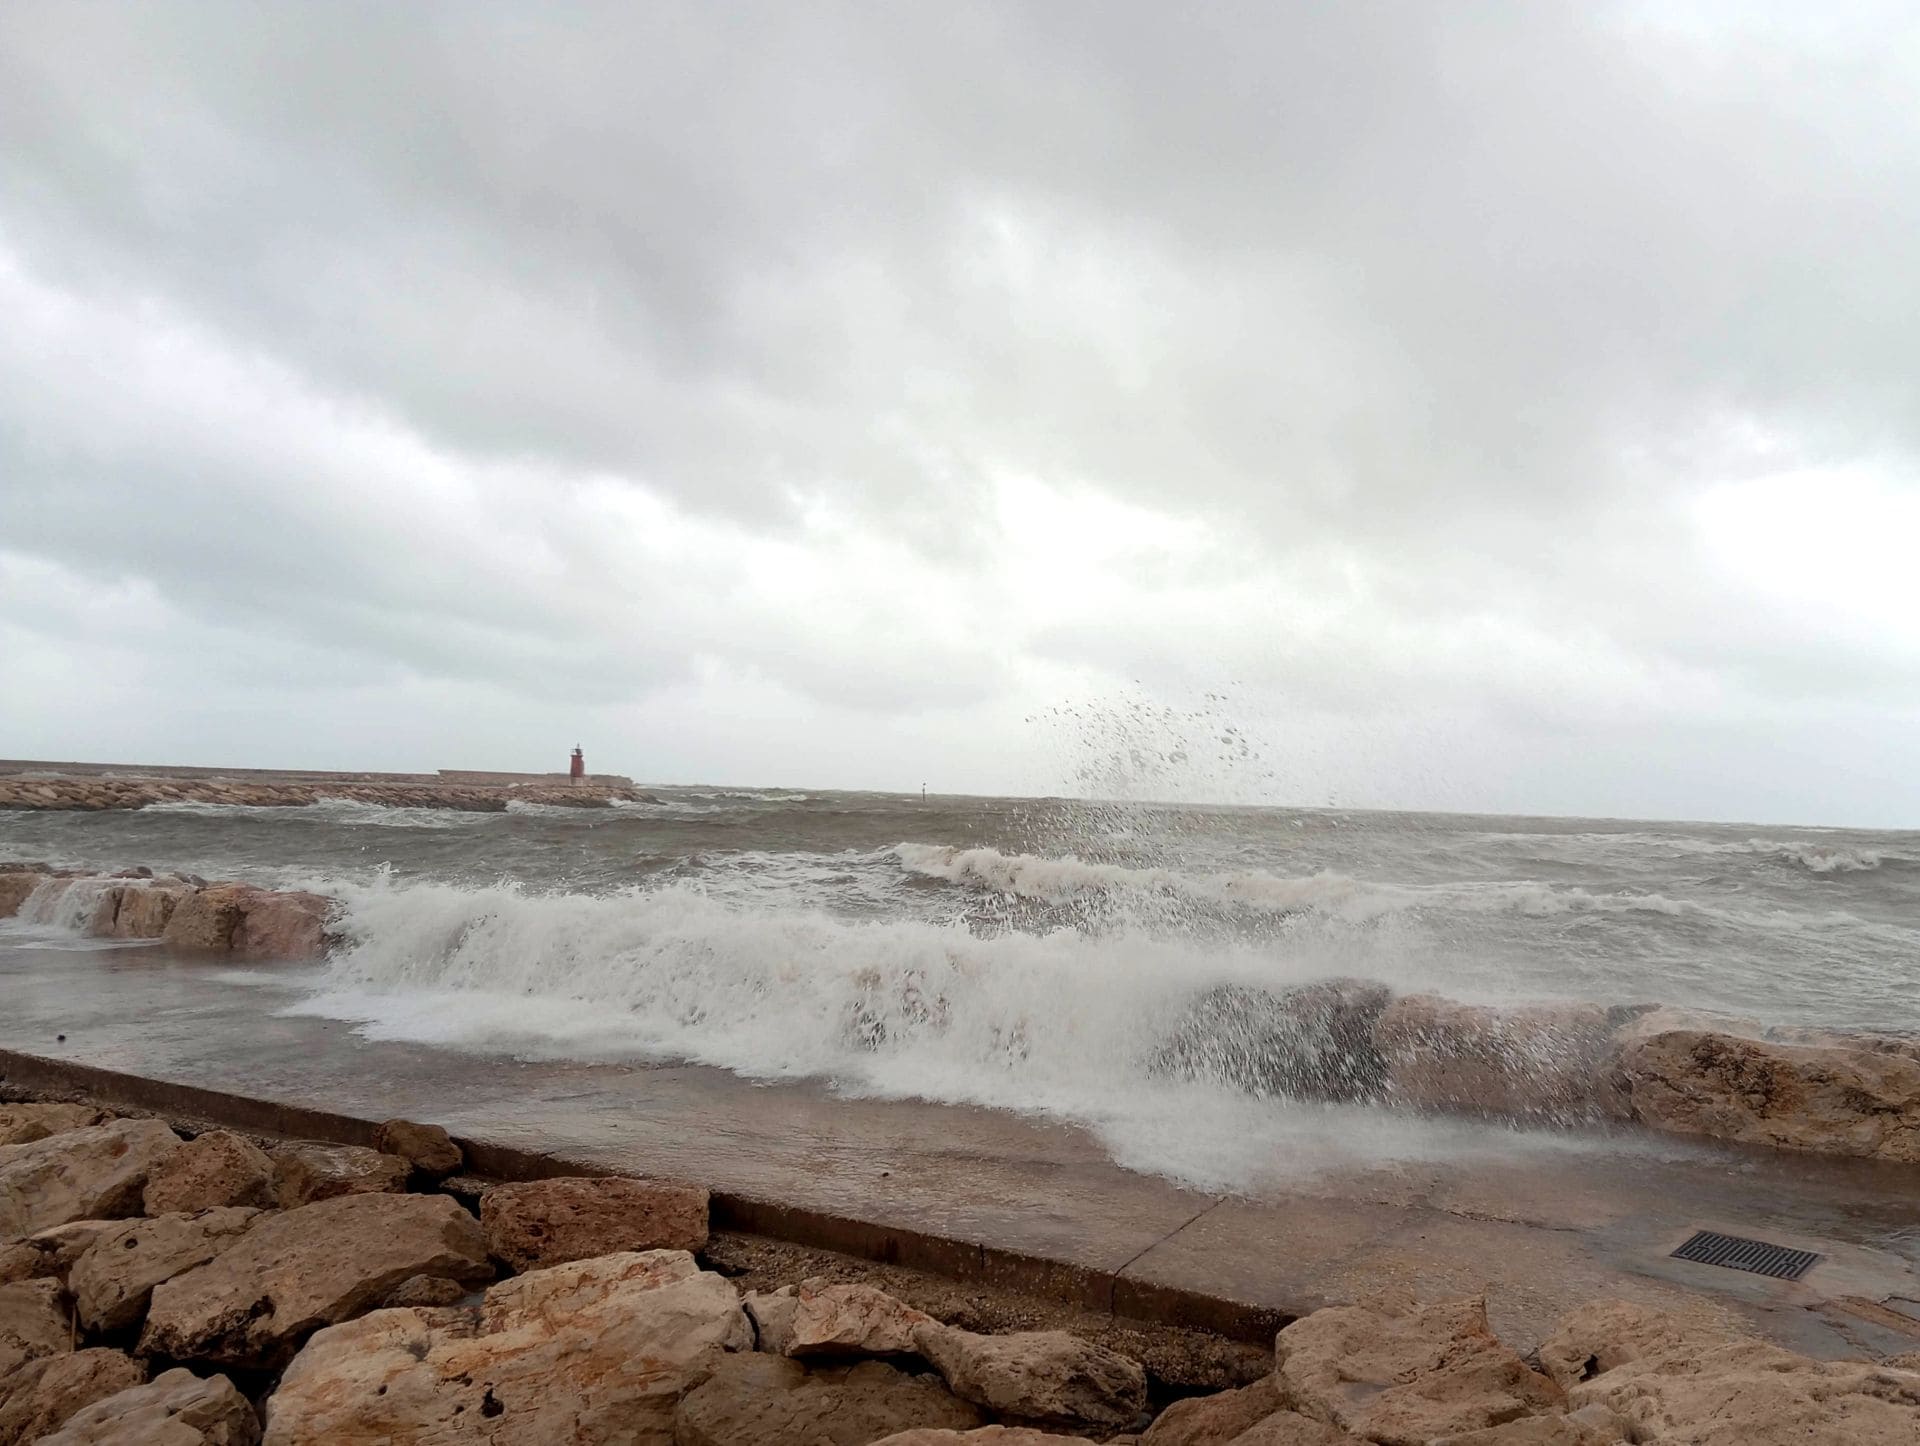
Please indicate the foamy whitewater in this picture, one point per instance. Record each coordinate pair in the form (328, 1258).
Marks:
(1021, 954)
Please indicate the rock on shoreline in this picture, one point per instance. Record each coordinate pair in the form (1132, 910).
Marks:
(188, 915)
(93, 792)
(278, 1326)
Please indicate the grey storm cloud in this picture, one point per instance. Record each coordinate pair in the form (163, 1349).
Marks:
(1481, 372)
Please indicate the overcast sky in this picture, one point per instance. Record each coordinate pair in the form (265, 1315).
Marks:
(1474, 406)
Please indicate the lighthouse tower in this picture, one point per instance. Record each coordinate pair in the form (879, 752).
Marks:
(577, 765)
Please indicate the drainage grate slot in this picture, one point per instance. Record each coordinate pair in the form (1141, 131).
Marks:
(1735, 1253)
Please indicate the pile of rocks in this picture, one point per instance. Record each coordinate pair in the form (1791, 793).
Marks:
(184, 912)
(1683, 1072)
(94, 792)
(229, 1291)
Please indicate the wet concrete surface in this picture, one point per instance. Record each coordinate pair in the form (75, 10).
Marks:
(1539, 1229)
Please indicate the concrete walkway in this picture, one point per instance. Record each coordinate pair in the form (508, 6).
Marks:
(1540, 1231)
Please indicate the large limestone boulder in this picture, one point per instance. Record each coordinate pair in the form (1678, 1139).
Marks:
(1215, 1419)
(1544, 1431)
(113, 1281)
(1047, 1376)
(50, 1253)
(821, 1318)
(23, 1124)
(760, 1400)
(1829, 1099)
(214, 1169)
(1290, 1428)
(33, 1322)
(548, 1222)
(90, 1174)
(1550, 1061)
(39, 1397)
(1598, 1336)
(596, 1351)
(282, 926)
(428, 1148)
(254, 1303)
(305, 1171)
(1756, 1394)
(1313, 1042)
(1401, 1375)
(136, 911)
(175, 1408)
(204, 920)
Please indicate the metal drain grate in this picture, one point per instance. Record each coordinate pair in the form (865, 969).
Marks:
(1732, 1251)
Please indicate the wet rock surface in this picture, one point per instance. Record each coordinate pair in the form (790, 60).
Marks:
(1547, 1061)
(1313, 1042)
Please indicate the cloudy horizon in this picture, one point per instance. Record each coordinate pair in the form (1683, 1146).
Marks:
(1482, 408)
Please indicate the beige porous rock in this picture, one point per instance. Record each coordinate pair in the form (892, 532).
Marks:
(821, 1318)
(113, 1281)
(549, 1222)
(596, 1351)
(40, 1396)
(428, 1148)
(1290, 1428)
(1826, 1099)
(33, 1322)
(175, 1408)
(96, 1173)
(1541, 1431)
(304, 1172)
(136, 911)
(291, 1273)
(1216, 1419)
(1602, 1334)
(16, 887)
(23, 1124)
(281, 927)
(754, 1399)
(1548, 1060)
(425, 1290)
(1047, 1376)
(983, 1436)
(1751, 1393)
(1401, 1375)
(51, 1253)
(210, 1170)
(204, 920)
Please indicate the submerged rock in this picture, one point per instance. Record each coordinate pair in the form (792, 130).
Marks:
(1830, 1099)
(214, 1169)
(40, 1396)
(1400, 1375)
(590, 1353)
(548, 1222)
(176, 1408)
(760, 1400)
(253, 1304)
(1047, 1376)
(1313, 1042)
(112, 1282)
(96, 1173)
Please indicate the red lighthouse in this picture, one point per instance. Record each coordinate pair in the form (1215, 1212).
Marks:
(577, 765)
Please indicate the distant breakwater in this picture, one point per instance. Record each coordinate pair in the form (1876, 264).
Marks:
(125, 791)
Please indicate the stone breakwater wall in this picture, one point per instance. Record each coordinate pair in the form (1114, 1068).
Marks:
(220, 1289)
(76, 792)
(184, 912)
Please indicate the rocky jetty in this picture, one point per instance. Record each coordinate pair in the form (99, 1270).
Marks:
(106, 791)
(188, 915)
(394, 1312)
